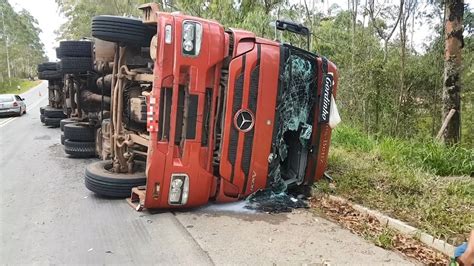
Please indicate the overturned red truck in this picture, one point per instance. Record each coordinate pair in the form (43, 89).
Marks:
(227, 114)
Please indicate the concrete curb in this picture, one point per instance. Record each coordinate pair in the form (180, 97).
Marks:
(402, 227)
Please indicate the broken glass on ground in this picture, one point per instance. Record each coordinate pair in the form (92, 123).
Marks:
(268, 201)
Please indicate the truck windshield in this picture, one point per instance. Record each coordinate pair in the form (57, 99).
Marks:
(297, 94)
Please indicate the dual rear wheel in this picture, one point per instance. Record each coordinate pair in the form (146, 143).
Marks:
(50, 116)
(78, 138)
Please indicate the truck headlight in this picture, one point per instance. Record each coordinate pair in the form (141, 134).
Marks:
(188, 46)
(188, 31)
(168, 34)
(191, 38)
(179, 189)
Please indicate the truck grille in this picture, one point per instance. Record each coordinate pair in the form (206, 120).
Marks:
(250, 96)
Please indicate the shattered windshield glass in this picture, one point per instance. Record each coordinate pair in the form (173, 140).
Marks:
(297, 95)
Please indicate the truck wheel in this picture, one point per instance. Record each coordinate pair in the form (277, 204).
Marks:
(74, 65)
(122, 30)
(47, 66)
(50, 75)
(58, 53)
(75, 49)
(53, 113)
(67, 121)
(79, 132)
(42, 118)
(62, 139)
(99, 179)
(79, 149)
(52, 121)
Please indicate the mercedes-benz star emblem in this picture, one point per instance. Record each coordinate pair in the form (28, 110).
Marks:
(244, 120)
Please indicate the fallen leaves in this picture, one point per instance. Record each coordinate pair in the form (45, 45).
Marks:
(370, 228)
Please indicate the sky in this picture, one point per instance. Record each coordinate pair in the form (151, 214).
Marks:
(50, 19)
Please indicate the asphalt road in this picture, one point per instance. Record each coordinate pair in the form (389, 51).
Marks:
(47, 216)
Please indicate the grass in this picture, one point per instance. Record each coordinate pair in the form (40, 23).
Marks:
(17, 86)
(428, 155)
(423, 183)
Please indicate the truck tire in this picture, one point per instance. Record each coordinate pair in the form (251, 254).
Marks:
(75, 65)
(67, 121)
(62, 139)
(53, 113)
(50, 75)
(100, 180)
(75, 49)
(122, 30)
(52, 121)
(47, 66)
(79, 149)
(58, 53)
(79, 132)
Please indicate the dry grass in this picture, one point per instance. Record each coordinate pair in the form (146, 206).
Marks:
(370, 228)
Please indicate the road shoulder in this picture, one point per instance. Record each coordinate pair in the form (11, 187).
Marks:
(295, 238)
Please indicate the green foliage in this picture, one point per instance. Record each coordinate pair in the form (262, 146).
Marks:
(385, 238)
(17, 86)
(424, 154)
(467, 97)
(20, 40)
(79, 14)
(352, 139)
(429, 155)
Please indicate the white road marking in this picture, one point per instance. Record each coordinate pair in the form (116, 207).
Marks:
(6, 121)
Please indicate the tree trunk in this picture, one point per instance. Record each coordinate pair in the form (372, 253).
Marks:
(408, 10)
(354, 100)
(403, 37)
(454, 10)
(6, 48)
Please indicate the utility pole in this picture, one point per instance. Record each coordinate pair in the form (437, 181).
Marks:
(6, 48)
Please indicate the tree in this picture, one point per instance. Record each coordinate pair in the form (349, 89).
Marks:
(385, 32)
(20, 45)
(454, 10)
(407, 10)
(6, 46)
(80, 12)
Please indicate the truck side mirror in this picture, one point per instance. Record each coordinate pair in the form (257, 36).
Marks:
(293, 27)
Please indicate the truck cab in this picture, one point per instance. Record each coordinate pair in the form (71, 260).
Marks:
(230, 113)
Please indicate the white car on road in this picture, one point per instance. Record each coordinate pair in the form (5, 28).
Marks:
(11, 104)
